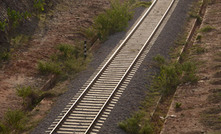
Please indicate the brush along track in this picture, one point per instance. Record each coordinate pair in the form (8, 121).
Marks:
(87, 112)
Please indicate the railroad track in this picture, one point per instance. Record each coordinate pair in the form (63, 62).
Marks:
(87, 112)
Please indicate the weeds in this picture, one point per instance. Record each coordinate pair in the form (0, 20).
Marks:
(178, 105)
(49, 67)
(189, 69)
(31, 97)
(68, 60)
(159, 60)
(4, 56)
(114, 19)
(15, 17)
(133, 125)
(197, 16)
(206, 29)
(165, 84)
(19, 40)
(39, 5)
(3, 129)
(24, 91)
(15, 119)
(3, 25)
(13, 122)
(199, 37)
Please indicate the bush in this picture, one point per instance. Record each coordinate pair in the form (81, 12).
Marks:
(3, 129)
(147, 128)
(131, 125)
(15, 17)
(4, 56)
(178, 105)
(206, 29)
(189, 69)
(68, 60)
(113, 20)
(199, 38)
(15, 120)
(24, 92)
(69, 51)
(39, 5)
(3, 25)
(171, 75)
(137, 124)
(30, 96)
(159, 60)
(49, 67)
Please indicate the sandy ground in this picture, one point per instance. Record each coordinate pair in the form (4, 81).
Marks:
(200, 110)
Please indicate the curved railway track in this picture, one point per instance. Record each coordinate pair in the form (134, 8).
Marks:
(87, 112)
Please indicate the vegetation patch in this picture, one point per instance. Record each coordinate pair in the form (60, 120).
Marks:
(69, 59)
(133, 125)
(4, 56)
(31, 97)
(39, 5)
(164, 84)
(206, 29)
(114, 19)
(14, 122)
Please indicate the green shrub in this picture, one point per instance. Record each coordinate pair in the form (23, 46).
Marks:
(68, 60)
(159, 59)
(206, 29)
(137, 124)
(3, 25)
(147, 128)
(178, 105)
(113, 20)
(73, 65)
(49, 67)
(131, 125)
(24, 92)
(69, 51)
(168, 79)
(189, 69)
(3, 129)
(199, 38)
(4, 56)
(15, 17)
(31, 97)
(172, 75)
(39, 5)
(15, 120)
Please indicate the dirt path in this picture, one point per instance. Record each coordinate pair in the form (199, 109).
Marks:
(200, 110)
(58, 26)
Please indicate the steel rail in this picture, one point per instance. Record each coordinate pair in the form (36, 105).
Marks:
(105, 66)
(130, 67)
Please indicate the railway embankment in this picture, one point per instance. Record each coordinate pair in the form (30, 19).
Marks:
(193, 106)
(199, 104)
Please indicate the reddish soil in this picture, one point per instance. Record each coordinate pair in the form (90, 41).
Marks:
(59, 25)
(200, 110)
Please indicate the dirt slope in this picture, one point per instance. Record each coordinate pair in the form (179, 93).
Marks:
(200, 110)
(57, 26)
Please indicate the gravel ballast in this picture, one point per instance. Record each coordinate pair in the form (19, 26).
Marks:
(135, 92)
